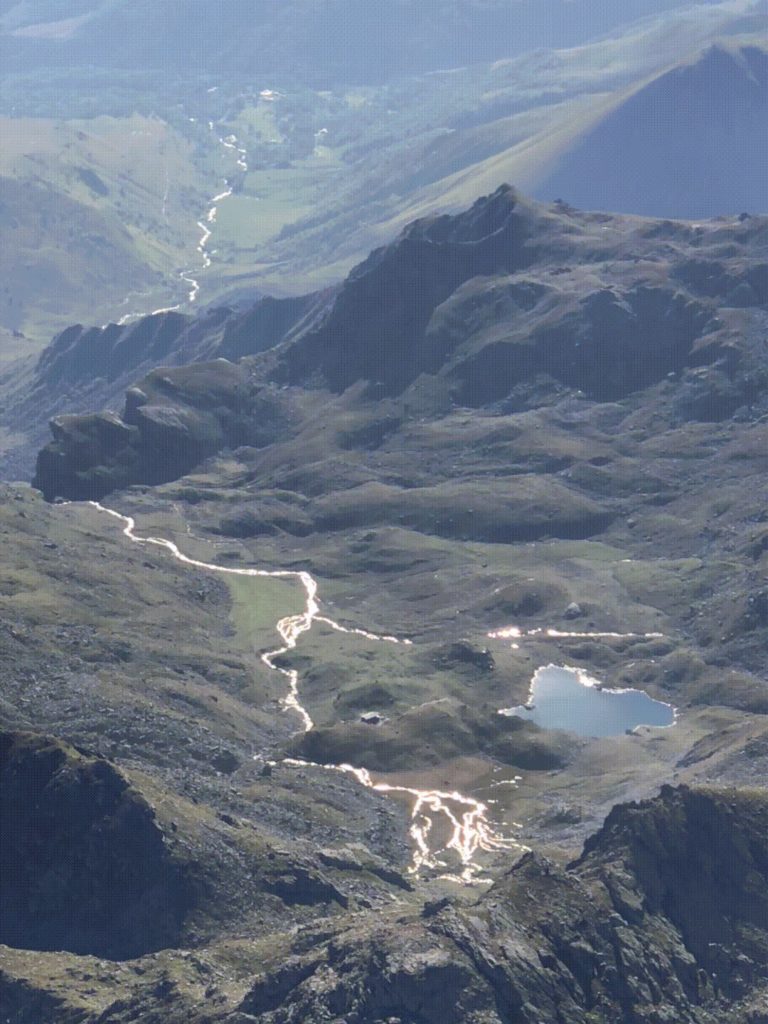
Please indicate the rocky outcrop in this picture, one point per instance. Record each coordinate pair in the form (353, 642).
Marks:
(376, 975)
(83, 863)
(80, 355)
(700, 858)
(173, 419)
(509, 291)
(91, 367)
(606, 342)
(376, 327)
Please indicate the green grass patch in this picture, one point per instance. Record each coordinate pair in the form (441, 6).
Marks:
(272, 199)
(245, 221)
(257, 605)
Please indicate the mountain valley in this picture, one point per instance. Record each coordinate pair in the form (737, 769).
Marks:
(548, 450)
(320, 172)
(332, 466)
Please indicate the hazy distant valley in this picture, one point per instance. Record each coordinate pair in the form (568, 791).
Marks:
(380, 390)
(118, 165)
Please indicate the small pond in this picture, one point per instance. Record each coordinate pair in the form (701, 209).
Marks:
(566, 698)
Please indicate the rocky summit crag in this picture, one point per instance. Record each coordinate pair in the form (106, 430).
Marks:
(516, 437)
(500, 303)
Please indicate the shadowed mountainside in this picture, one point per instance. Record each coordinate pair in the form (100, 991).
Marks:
(503, 292)
(109, 353)
(691, 143)
(85, 866)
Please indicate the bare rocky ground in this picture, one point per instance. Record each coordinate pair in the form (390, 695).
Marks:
(567, 435)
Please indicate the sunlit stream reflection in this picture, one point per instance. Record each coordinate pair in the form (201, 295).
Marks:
(449, 829)
(187, 275)
(441, 823)
(515, 633)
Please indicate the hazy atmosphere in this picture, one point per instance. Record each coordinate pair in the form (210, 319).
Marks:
(383, 419)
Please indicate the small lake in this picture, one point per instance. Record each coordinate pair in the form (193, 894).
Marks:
(565, 698)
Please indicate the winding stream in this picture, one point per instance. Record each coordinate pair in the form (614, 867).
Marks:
(433, 812)
(187, 275)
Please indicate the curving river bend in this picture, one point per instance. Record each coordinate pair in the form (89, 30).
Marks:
(433, 811)
(449, 830)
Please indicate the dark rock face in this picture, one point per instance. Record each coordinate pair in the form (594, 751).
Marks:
(607, 344)
(172, 421)
(80, 355)
(299, 885)
(266, 323)
(391, 296)
(91, 367)
(700, 858)
(370, 979)
(83, 863)
(606, 940)
(509, 292)
(464, 654)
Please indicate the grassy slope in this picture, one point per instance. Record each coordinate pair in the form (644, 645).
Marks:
(435, 143)
(312, 205)
(95, 210)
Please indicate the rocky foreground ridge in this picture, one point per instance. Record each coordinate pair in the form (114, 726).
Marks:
(663, 918)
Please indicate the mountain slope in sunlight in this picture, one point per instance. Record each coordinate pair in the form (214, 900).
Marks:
(689, 141)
